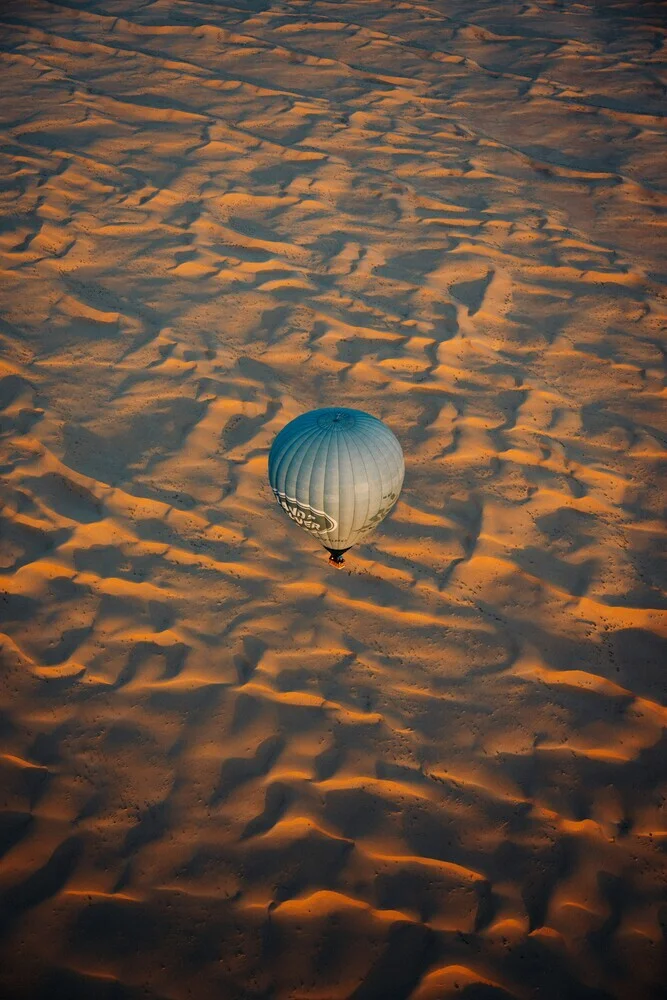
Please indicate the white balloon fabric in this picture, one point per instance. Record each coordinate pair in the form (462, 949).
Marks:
(337, 472)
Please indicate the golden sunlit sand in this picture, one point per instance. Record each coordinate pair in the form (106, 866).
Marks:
(226, 769)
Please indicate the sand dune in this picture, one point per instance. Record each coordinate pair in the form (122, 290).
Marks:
(227, 770)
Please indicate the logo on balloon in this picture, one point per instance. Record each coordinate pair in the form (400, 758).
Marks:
(305, 515)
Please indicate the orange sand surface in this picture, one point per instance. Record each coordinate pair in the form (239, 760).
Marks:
(228, 772)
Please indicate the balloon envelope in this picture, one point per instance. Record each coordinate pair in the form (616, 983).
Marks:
(337, 472)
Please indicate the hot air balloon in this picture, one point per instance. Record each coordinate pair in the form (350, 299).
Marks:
(337, 472)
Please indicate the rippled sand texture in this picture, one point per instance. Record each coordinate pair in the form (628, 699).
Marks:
(227, 770)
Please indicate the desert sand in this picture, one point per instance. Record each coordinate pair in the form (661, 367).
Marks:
(229, 771)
